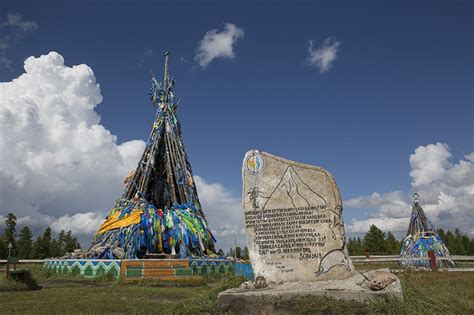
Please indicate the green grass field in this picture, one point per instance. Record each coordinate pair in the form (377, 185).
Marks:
(424, 293)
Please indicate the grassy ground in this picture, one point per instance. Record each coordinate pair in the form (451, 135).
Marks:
(67, 294)
(395, 265)
(424, 293)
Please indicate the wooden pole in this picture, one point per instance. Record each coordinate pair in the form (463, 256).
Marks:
(432, 256)
(174, 165)
(152, 162)
(181, 162)
(168, 164)
(165, 80)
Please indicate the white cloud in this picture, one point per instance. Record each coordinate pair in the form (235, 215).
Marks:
(323, 57)
(392, 204)
(11, 30)
(429, 163)
(223, 212)
(83, 224)
(79, 223)
(394, 225)
(5, 62)
(58, 163)
(148, 52)
(217, 44)
(16, 20)
(446, 193)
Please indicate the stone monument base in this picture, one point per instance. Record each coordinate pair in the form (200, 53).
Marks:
(361, 287)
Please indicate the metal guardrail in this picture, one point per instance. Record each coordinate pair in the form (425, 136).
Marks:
(439, 269)
(375, 259)
(24, 261)
(355, 259)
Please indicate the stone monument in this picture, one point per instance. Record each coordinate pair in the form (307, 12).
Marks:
(293, 219)
(296, 237)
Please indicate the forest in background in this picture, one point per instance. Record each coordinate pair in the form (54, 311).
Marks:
(43, 246)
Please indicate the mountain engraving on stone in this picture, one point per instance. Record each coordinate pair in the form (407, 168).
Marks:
(298, 193)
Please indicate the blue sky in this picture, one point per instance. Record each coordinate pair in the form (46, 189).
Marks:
(402, 78)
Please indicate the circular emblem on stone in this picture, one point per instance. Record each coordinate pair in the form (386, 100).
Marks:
(255, 163)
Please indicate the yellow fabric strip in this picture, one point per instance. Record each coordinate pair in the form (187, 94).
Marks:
(114, 223)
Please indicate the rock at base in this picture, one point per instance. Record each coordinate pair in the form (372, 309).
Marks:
(276, 298)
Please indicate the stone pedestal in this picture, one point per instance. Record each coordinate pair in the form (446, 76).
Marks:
(278, 298)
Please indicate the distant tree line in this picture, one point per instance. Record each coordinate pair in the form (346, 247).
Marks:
(376, 242)
(457, 242)
(44, 246)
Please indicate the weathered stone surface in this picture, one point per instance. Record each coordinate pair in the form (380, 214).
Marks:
(380, 280)
(278, 298)
(293, 219)
(258, 283)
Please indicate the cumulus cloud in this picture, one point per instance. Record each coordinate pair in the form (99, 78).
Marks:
(323, 57)
(79, 223)
(223, 212)
(58, 163)
(392, 204)
(429, 163)
(11, 30)
(446, 193)
(217, 44)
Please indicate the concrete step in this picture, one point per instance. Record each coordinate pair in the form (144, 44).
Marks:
(171, 278)
(158, 263)
(157, 272)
